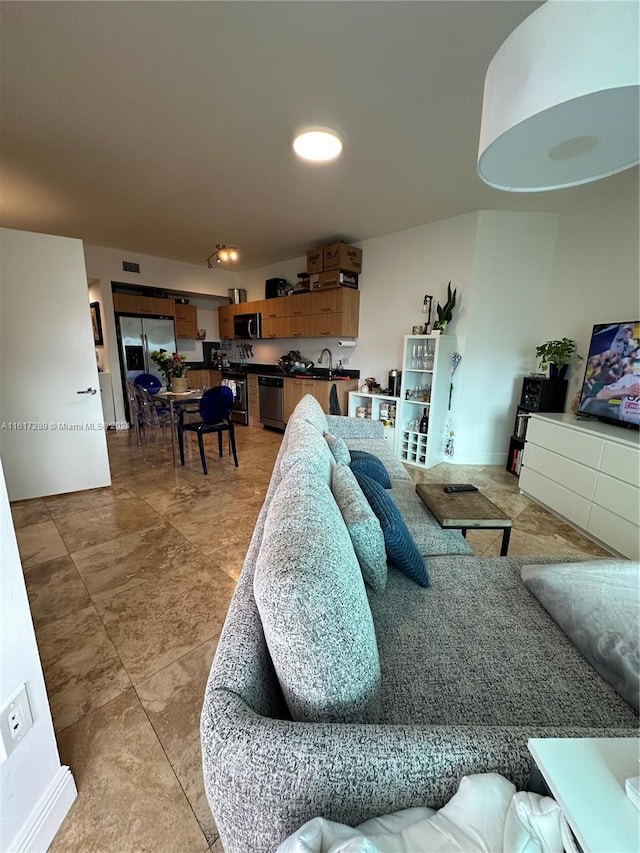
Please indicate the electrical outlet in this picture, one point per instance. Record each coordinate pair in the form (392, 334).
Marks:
(15, 720)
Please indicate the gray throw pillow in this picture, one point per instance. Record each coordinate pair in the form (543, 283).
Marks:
(338, 448)
(313, 606)
(363, 526)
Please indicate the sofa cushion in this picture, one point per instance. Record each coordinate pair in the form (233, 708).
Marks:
(400, 547)
(338, 448)
(490, 655)
(368, 464)
(313, 606)
(310, 410)
(429, 537)
(380, 448)
(307, 446)
(363, 526)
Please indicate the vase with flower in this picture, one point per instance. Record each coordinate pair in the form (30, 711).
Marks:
(174, 368)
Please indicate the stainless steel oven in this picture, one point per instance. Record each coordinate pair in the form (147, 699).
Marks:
(238, 384)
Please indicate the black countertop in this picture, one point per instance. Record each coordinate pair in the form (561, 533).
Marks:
(321, 373)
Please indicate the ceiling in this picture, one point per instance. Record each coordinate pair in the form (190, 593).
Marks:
(163, 128)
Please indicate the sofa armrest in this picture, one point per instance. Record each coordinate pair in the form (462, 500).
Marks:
(264, 777)
(354, 427)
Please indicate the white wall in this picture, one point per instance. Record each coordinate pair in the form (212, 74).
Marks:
(398, 270)
(596, 275)
(32, 774)
(105, 265)
(505, 305)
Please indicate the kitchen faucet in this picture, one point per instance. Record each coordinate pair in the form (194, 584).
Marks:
(328, 352)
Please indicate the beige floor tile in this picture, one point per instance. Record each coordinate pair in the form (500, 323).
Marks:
(173, 700)
(217, 847)
(81, 666)
(152, 624)
(55, 590)
(480, 540)
(29, 512)
(82, 530)
(39, 543)
(524, 544)
(218, 532)
(112, 567)
(93, 499)
(190, 497)
(129, 798)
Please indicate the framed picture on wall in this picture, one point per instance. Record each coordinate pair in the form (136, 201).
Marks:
(96, 323)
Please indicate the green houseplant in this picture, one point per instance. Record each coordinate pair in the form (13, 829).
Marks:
(557, 355)
(173, 367)
(445, 312)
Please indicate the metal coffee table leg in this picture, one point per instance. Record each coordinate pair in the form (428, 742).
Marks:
(506, 535)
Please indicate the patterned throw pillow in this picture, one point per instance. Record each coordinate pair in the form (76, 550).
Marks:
(401, 549)
(338, 448)
(363, 526)
(366, 463)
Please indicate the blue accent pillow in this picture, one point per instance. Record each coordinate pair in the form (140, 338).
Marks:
(402, 551)
(366, 463)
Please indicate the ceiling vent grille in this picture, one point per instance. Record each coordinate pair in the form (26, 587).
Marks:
(129, 266)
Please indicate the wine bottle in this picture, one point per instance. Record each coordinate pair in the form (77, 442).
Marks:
(424, 423)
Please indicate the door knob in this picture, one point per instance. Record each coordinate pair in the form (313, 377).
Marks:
(88, 391)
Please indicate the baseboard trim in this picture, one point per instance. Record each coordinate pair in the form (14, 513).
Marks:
(47, 817)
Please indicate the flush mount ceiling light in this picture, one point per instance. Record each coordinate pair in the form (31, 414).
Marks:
(561, 98)
(223, 255)
(318, 144)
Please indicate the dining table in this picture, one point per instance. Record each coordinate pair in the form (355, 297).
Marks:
(178, 399)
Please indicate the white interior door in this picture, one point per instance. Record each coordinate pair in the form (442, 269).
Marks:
(52, 437)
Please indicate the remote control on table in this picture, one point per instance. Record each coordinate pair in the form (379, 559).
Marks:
(462, 488)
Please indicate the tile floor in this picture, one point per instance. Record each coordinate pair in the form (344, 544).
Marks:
(129, 587)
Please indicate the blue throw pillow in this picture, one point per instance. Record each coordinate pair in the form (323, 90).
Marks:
(366, 463)
(402, 551)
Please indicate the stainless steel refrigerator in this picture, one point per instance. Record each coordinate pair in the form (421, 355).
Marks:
(139, 337)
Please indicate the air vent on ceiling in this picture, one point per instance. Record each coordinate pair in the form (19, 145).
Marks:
(129, 266)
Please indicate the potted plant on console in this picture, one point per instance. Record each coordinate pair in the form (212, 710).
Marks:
(174, 369)
(557, 355)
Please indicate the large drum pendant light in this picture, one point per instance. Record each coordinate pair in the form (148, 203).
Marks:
(561, 98)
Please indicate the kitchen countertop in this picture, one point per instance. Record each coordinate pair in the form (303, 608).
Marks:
(319, 373)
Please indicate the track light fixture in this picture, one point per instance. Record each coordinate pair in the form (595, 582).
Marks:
(223, 255)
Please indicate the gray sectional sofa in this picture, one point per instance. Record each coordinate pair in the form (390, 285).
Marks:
(426, 685)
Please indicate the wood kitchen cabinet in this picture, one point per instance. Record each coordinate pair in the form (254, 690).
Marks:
(253, 397)
(335, 313)
(199, 379)
(295, 389)
(126, 303)
(225, 322)
(321, 314)
(186, 321)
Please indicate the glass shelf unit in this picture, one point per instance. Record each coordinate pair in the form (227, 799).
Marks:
(379, 407)
(426, 380)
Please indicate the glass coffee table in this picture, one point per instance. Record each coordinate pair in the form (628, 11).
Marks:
(464, 511)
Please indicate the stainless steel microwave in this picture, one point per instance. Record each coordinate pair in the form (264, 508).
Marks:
(247, 326)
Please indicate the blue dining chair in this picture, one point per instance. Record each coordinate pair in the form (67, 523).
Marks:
(215, 413)
(149, 382)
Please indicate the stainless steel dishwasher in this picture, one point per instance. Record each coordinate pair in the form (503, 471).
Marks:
(271, 391)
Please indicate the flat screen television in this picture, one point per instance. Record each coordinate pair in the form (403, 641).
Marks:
(611, 387)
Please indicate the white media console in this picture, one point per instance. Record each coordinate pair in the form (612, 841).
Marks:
(588, 473)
